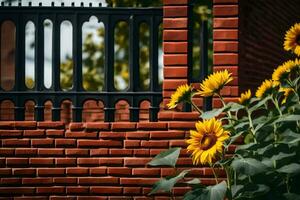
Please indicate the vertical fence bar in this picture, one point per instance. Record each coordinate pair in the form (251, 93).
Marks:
(56, 68)
(109, 110)
(77, 71)
(207, 102)
(20, 67)
(154, 86)
(39, 67)
(134, 68)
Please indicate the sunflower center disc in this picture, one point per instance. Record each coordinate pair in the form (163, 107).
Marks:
(208, 141)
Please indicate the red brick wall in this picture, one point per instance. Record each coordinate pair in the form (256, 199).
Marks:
(263, 24)
(104, 160)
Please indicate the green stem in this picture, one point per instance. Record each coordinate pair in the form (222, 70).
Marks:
(228, 176)
(224, 104)
(214, 172)
(196, 107)
(275, 102)
(251, 124)
(287, 184)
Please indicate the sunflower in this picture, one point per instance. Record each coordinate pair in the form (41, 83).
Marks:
(206, 143)
(214, 83)
(245, 97)
(292, 39)
(286, 93)
(183, 93)
(265, 88)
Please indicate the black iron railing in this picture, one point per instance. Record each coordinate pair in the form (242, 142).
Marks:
(19, 15)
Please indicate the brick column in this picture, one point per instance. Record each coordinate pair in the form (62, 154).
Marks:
(225, 45)
(175, 46)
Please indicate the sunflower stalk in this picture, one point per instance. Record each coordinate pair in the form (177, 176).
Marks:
(251, 125)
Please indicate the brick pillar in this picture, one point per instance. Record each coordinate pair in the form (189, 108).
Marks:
(175, 45)
(225, 45)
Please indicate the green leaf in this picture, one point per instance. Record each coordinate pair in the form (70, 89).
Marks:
(289, 137)
(248, 166)
(259, 104)
(234, 107)
(168, 158)
(288, 118)
(291, 196)
(216, 192)
(195, 181)
(212, 113)
(291, 169)
(166, 184)
(252, 191)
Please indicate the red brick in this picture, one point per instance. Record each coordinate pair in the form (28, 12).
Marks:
(97, 126)
(175, 35)
(225, 46)
(26, 151)
(165, 115)
(88, 161)
(173, 84)
(166, 134)
(7, 124)
(65, 161)
(123, 126)
(152, 125)
(99, 143)
(15, 142)
(41, 161)
(145, 172)
(178, 143)
(155, 144)
(37, 181)
(10, 133)
(55, 133)
(225, 34)
(175, 11)
(77, 190)
(78, 171)
(34, 133)
(137, 135)
(141, 152)
(10, 181)
(92, 198)
(17, 190)
(51, 152)
(177, 2)
(132, 143)
(16, 161)
(51, 125)
(42, 142)
(175, 72)
(50, 190)
(136, 161)
(114, 171)
(111, 161)
(5, 172)
(77, 152)
(181, 125)
(226, 59)
(97, 180)
(175, 59)
(185, 162)
(77, 126)
(25, 124)
(65, 142)
(131, 190)
(99, 152)
(24, 172)
(81, 134)
(175, 47)
(65, 180)
(112, 135)
(120, 152)
(106, 190)
(175, 23)
(225, 10)
(34, 197)
(138, 181)
(51, 172)
(226, 22)
(98, 171)
(6, 152)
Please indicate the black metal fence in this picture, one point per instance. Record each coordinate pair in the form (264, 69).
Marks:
(20, 15)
